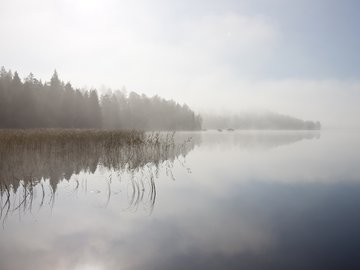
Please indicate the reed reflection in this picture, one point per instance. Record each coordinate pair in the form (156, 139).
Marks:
(34, 163)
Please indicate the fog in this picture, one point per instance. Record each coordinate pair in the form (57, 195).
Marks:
(291, 57)
(164, 134)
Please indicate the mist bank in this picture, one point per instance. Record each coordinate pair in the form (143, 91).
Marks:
(260, 121)
(30, 103)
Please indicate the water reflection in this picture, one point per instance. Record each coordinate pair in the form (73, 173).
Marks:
(266, 226)
(252, 201)
(31, 170)
(252, 140)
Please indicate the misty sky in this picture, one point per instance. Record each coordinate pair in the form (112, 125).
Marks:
(297, 57)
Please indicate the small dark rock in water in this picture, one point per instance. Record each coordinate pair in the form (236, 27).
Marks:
(220, 130)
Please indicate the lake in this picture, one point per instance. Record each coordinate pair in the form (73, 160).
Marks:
(214, 200)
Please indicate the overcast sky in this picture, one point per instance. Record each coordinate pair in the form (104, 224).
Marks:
(297, 57)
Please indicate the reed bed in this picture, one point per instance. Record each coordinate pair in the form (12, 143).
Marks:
(36, 137)
(31, 159)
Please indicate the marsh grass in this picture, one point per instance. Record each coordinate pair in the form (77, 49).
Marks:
(34, 162)
(37, 137)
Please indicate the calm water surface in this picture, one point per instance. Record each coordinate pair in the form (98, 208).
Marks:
(222, 200)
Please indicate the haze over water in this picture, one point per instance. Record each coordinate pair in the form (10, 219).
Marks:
(222, 200)
(260, 165)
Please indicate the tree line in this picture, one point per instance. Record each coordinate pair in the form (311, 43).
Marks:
(259, 121)
(30, 103)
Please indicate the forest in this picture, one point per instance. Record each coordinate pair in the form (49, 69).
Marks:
(31, 103)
